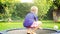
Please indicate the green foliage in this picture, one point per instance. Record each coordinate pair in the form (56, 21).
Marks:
(14, 9)
(44, 6)
(8, 6)
(22, 9)
(56, 4)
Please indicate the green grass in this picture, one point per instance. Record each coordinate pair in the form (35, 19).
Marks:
(11, 25)
(50, 24)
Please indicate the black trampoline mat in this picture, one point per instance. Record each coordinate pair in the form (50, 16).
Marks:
(17, 32)
(23, 31)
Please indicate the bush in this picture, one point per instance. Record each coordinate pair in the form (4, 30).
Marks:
(44, 6)
(21, 10)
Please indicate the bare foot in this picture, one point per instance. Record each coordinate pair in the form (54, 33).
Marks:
(33, 33)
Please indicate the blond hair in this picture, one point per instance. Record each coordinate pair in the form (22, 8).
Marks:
(34, 9)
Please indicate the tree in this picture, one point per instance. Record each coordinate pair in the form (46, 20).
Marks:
(44, 6)
(8, 6)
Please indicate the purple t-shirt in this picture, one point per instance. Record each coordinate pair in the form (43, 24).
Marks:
(29, 19)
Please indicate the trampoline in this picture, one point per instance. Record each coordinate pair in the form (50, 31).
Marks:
(23, 31)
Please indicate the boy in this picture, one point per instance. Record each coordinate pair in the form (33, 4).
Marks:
(31, 21)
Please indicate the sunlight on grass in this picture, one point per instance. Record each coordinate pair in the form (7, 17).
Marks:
(5, 26)
(50, 24)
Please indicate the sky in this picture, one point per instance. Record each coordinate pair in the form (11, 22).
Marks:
(26, 1)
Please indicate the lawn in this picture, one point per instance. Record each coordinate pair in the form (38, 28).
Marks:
(11, 25)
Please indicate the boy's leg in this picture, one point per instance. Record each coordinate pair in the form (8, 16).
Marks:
(39, 26)
(29, 31)
(34, 29)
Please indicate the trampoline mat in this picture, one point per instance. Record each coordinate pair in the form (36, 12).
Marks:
(23, 31)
